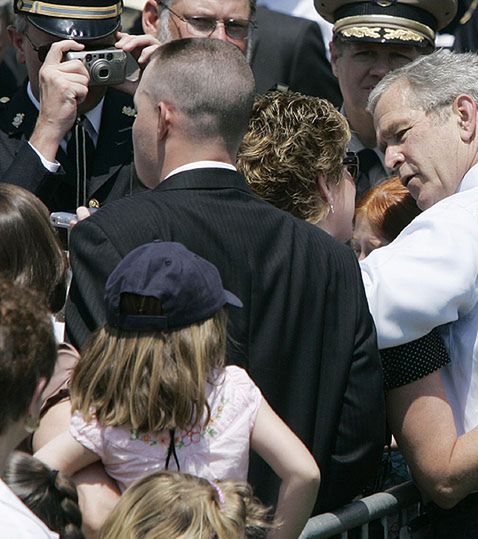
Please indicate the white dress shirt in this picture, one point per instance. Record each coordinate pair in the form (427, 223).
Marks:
(428, 277)
(17, 521)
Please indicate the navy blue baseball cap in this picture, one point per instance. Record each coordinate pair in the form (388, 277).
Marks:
(188, 287)
(81, 20)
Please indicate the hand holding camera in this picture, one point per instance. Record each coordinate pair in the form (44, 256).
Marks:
(105, 66)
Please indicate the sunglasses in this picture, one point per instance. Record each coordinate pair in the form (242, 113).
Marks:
(41, 50)
(236, 29)
(351, 163)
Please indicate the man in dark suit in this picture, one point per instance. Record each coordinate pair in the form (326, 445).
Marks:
(66, 176)
(290, 51)
(305, 334)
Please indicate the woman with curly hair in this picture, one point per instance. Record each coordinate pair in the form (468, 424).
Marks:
(294, 155)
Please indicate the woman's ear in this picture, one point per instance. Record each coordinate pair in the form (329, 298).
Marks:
(325, 191)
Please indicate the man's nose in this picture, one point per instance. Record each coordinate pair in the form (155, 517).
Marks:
(393, 157)
(220, 31)
(380, 67)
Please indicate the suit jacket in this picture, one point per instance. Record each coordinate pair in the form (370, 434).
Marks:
(305, 334)
(290, 50)
(112, 173)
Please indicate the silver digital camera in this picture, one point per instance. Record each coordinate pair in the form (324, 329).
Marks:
(106, 67)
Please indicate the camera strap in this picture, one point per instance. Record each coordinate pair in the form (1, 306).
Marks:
(80, 150)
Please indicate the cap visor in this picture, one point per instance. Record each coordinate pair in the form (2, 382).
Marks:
(232, 299)
(78, 29)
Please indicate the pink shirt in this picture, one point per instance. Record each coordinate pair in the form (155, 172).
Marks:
(219, 450)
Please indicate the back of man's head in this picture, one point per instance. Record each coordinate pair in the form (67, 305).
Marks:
(209, 83)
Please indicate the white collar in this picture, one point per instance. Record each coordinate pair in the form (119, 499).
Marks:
(470, 179)
(201, 164)
(93, 115)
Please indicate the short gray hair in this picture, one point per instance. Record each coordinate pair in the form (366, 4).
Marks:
(435, 80)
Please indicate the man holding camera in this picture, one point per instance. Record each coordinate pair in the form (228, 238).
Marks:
(78, 126)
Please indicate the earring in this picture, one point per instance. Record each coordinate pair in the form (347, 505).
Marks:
(331, 208)
(31, 424)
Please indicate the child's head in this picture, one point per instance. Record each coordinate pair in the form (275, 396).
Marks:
(48, 493)
(166, 332)
(171, 505)
(381, 214)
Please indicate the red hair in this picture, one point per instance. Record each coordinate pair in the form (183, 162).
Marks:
(388, 207)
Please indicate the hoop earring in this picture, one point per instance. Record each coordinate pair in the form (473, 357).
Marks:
(31, 424)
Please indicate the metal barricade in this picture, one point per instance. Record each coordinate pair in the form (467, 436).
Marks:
(398, 503)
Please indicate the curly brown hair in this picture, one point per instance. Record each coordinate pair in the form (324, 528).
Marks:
(291, 141)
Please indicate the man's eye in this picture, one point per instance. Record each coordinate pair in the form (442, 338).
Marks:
(202, 24)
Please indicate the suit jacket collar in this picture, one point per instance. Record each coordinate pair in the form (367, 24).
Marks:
(205, 178)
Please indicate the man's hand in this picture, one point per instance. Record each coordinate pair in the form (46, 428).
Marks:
(63, 86)
(141, 48)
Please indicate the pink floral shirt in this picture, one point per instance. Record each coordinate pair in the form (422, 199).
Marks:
(219, 450)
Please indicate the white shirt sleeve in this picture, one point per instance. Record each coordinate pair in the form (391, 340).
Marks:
(51, 167)
(427, 276)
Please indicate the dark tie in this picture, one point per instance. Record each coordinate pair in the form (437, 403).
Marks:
(81, 150)
(367, 160)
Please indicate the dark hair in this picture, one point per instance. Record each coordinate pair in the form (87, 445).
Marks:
(388, 207)
(27, 349)
(30, 253)
(48, 493)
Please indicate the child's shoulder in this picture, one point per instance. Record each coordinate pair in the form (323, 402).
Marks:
(234, 383)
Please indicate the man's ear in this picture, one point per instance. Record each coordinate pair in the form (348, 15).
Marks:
(18, 42)
(466, 109)
(333, 57)
(150, 18)
(165, 115)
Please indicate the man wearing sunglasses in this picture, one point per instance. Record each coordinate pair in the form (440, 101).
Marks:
(80, 148)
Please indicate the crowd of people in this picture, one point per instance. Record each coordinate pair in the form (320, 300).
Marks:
(274, 282)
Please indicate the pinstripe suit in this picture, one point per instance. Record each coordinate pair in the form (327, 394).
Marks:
(305, 334)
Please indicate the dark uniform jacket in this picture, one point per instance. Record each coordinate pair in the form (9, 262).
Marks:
(290, 51)
(305, 334)
(112, 173)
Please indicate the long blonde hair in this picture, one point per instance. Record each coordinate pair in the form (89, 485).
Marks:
(150, 381)
(171, 505)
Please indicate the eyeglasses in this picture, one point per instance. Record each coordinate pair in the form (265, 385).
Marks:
(351, 163)
(236, 29)
(41, 50)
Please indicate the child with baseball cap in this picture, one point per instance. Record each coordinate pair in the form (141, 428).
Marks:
(151, 391)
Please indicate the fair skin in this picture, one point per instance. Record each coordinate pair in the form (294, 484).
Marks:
(270, 438)
(359, 67)
(415, 143)
(159, 140)
(219, 9)
(341, 196)
(365, 239)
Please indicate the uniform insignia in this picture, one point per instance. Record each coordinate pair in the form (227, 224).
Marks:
(18, 119)
(129, 111)
(4, 99)
(93, 203)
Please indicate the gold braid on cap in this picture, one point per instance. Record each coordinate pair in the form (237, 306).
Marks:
(36, 7)
(371, 26)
